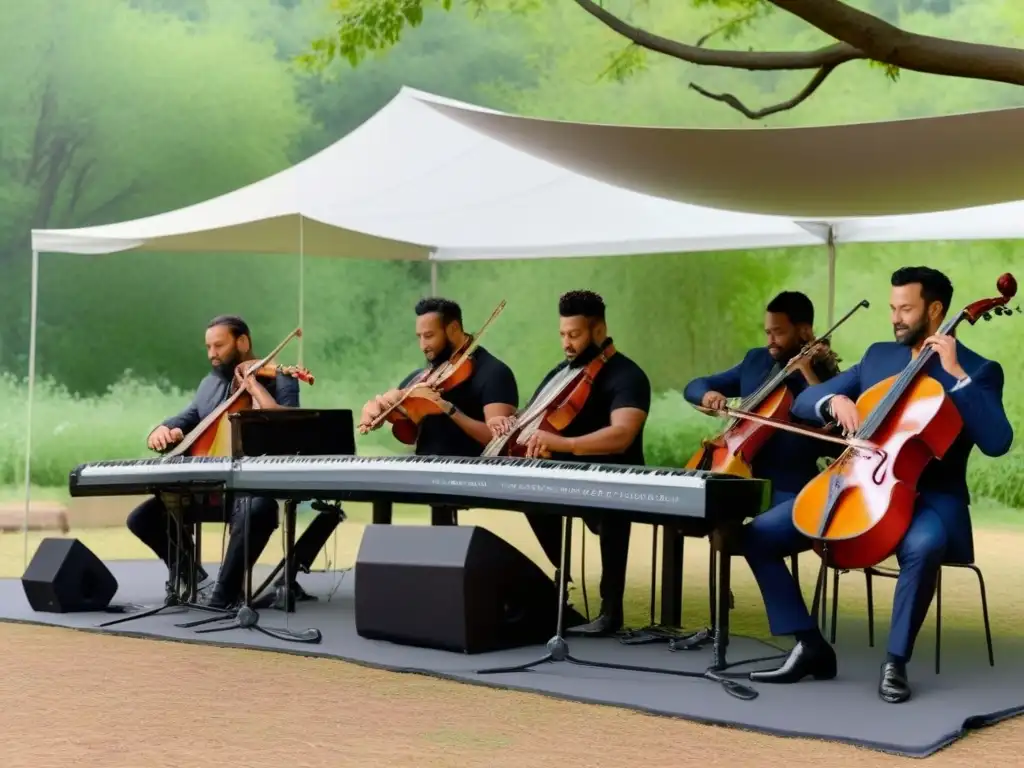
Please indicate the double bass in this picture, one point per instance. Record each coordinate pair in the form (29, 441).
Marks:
(554, 407)
(212, 436)
(732, 451)
(418, 399)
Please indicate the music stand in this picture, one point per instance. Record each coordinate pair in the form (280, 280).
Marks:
(283, 432)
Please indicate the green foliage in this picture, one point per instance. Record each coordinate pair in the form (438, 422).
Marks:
(193, 99)
(171, 113)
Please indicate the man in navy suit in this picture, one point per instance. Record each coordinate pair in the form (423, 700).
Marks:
(788, 460)
(941, 527)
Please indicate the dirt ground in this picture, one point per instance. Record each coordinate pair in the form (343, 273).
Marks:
(96, 700)
(127, 703)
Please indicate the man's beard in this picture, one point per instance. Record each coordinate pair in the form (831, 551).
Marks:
(912, 334)
(783, 355)
(587, 354)
(227, 365)
(443, 355)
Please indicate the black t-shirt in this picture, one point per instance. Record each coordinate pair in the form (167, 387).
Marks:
(620, 383)
(492, 382)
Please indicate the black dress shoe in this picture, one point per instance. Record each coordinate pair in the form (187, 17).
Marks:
(218, 598)
(817, 660)
(572, 618)
(894, 686)
(604, 625)
(282, 599)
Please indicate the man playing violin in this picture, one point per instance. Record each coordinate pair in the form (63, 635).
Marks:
(460, 429)
(940, 530)
(788, 460)
(608, 429)
(228, 345)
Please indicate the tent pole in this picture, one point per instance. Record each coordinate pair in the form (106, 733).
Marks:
(33, 315)
(433, 278)
(831, 275)
(302, 285)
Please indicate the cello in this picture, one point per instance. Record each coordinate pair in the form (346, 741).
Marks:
(733, 450)
(418, 399)
(554, 408)
(212, 435)
(857, 511)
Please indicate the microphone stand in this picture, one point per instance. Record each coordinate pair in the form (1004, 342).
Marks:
(558, 648)
(247, 617)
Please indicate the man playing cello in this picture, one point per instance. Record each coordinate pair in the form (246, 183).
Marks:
(608, 429)
(460, 429)
(940, 530)
(788, 460)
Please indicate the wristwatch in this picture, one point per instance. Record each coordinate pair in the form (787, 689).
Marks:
(450, 411)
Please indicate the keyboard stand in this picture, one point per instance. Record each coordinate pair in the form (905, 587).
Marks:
(558, 648)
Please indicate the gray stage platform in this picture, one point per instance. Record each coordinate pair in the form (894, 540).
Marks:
(967, 694)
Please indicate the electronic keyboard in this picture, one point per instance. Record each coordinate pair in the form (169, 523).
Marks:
(492, 482)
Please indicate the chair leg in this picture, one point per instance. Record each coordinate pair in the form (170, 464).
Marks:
(822, 606)
(938, 620)
(984, 613)
(869, 586)
(835, 604)
(712, 586)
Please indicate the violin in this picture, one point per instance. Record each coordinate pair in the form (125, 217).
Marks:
(419, 398)
(212, 436)
(554, 408)
(732, 451)
(269, 371)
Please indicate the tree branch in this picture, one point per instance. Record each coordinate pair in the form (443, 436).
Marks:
(725, 26)
(883, 42)
(756, 114)
(766, 61)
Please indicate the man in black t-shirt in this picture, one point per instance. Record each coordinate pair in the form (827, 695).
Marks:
(608, 429)
(489, 393)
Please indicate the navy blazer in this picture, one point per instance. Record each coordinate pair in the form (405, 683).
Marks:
(788, 460)
(979, 401)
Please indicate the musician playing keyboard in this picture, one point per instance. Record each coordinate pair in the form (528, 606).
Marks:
(490, 392)
(228, 344)
(608, 429)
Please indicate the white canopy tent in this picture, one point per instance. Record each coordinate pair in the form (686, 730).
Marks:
(413, 184)
(866, 169)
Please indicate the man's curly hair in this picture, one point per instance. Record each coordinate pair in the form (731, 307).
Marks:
(581, 303)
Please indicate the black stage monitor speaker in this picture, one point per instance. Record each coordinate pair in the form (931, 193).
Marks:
(64, 576)
(293, 432)
(455, 588)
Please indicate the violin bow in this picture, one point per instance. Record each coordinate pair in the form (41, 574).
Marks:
(849, 442)
(473, 344)
(805, 351)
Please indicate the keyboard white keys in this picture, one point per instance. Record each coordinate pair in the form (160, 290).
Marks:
(499, 482)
